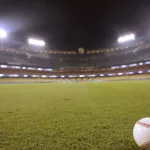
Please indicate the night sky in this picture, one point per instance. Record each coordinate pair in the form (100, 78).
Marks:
(69, 24)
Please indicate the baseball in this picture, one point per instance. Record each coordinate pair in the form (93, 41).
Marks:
(141, 133)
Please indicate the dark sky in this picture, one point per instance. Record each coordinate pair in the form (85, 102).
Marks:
(69, 24)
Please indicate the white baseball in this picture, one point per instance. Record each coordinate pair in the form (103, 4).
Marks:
(141, 133)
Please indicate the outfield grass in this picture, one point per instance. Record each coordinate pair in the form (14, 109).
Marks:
(72, 116)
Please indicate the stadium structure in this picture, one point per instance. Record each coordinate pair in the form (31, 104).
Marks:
(122, 60)
(84, 115)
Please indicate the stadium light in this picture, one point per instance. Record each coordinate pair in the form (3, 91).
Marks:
(1, 75)
(36, 42)
(81, 76)
(3, 34)
(126, 38)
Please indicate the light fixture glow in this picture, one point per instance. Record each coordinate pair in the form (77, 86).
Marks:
(36, 42)
(3, 34)
(126, 38)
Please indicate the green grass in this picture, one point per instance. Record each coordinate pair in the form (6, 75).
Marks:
(72, 116)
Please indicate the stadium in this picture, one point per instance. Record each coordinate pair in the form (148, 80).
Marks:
(127, 60)
(78, 99)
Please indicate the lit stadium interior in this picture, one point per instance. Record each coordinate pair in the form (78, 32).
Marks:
(74, 77)
(131, 58)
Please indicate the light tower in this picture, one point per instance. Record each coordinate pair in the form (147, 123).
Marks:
(35, 45)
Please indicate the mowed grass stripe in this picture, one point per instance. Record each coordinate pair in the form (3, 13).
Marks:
(76, 116)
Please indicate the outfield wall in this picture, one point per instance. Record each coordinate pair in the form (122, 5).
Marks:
(99, 79)
(128, 77)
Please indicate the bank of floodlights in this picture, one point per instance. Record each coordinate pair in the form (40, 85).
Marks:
(126, 38)
(36, 42)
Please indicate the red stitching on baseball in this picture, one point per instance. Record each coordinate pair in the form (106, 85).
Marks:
(147, 144)
(143, 124)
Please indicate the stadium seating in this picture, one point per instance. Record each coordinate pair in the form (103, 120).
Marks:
(79, 63)
(73, 60)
